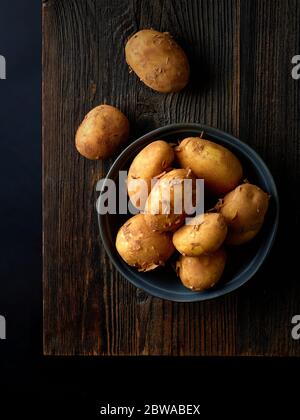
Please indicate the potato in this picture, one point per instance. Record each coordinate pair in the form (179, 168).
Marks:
(205, 235)
(170, 200)
(244, 210)
(142, 248)
(101, 132)
(152, 161)
(203, 272)
(240, 238)
(220, 169)
(158, 60)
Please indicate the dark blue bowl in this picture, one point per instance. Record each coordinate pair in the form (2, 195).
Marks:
(243, 261)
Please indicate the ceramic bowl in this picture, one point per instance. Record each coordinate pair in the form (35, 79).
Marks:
(243, 262)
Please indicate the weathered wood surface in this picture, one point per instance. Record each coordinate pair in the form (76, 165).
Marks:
(240, 52)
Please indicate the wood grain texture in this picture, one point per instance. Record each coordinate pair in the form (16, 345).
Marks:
(240, 53)
(270, 111)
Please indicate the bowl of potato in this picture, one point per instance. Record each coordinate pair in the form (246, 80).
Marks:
(213, 253)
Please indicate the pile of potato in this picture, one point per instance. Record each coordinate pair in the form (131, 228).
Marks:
(147, 240)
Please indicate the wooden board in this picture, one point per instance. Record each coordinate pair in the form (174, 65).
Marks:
(240, 52)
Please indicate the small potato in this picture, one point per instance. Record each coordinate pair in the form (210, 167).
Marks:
(204, 235)
(101, 132)
(240, 238)
(220, 168)
(244, 210)
(201, 273)
(158, 60)
(152, 161)
(170, 200)
(142, 248)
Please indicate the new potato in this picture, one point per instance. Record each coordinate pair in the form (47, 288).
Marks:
(203, 272)
(218, 166)
(150, 162)
(205, 234)
(158, 60)
(170, 200)
(244, 210)
(142, 248)
(101, 132)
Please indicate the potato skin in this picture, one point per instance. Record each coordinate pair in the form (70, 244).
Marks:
(203, 272)
(101, 132)
(205, 237)
(240, 238)
(218, 166)
(244, 210)
(158, 60)
(150, 162)
(158, 201)
(142, 248)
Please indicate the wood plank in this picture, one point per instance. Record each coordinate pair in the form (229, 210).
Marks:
(88, 308)
(270, 109)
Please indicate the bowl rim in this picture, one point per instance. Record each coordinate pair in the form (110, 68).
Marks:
(249, 271)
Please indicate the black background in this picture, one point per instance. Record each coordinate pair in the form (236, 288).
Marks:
(30, 382)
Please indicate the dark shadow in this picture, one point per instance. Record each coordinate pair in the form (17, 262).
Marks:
(202, 74)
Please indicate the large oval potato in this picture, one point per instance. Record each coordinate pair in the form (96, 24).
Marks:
(170, 200)
(218, 166)
(142, 248)
(205, 234)
(101, 132)
(158, 60)
(244, 210)
(203, 272)
(151, 161)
